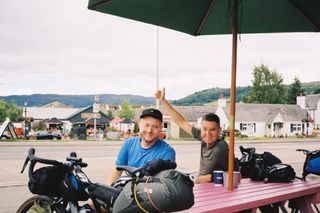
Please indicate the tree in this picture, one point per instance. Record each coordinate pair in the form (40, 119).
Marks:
(10, 110)
(38, 126)
(267, 87)
(110, 114)
(317, 91)
(126, 111)
(295, 89)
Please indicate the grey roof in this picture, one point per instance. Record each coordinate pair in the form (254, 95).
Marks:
(312, 101)
(127, 121)
(267, 112)
(190, 113)
(41, 113)
(77, 118)
(78, 111)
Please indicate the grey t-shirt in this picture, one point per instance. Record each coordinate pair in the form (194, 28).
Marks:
(213, 158)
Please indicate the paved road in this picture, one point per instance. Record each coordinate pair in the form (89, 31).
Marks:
(101, 155)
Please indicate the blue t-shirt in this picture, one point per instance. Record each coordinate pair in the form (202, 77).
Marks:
(132, 154)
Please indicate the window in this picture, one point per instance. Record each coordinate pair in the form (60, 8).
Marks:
(248, 127)
(296, 127)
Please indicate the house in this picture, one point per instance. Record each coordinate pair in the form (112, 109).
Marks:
(271, 120)
(311, 103)
(55, 110)
(86, 116)
(115, 123)
(126, 125)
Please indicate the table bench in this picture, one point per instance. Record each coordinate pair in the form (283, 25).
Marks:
(253, 194)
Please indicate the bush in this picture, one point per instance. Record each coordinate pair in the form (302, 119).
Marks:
(113, 129)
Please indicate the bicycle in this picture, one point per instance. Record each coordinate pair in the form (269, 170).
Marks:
(68, 201)
(311, 165)
(62, 185)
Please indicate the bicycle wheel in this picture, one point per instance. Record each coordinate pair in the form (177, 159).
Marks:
(25, 206)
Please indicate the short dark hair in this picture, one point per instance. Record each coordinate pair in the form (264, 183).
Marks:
(211, 117)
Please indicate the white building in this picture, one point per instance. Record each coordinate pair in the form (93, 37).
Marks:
(254, 120)
(271, 120)
(311, 103)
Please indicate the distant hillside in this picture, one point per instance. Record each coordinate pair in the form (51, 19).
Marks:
(77, 101)
(198, 98)
(211, 95)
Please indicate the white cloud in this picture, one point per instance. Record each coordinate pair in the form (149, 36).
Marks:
(62, 47)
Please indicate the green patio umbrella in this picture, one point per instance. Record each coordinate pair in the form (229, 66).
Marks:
(207, 17)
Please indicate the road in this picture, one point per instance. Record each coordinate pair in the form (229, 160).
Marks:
(100, 157)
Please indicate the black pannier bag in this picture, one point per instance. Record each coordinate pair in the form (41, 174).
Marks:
(281, 172)
(167, 191)
(47, 181)
(255, 166)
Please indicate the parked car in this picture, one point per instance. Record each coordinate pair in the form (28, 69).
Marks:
(226, 133)
(44, 135)
(163, 133)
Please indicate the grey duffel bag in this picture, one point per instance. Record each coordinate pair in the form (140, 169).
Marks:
(167, 191)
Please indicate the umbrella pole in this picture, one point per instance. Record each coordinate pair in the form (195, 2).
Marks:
(233, 92)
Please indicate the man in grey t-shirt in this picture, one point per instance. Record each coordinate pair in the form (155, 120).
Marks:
(214, 151)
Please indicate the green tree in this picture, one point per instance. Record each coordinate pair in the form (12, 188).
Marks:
(295, 89)
(10, 110)
(267, 87)
(110, 114)
(136, 128)
(126, 111)
(38, 126)
(317, 91)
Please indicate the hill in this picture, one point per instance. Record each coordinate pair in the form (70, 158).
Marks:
(198, 98)
(211, 95)
(77, 101)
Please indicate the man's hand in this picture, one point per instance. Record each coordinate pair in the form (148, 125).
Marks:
(160, 95)
(204, 179)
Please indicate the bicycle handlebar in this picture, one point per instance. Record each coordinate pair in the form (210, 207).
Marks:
(308, 152)
(33, 160)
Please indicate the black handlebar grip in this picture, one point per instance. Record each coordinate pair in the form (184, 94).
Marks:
(73, 154)
(31, 151)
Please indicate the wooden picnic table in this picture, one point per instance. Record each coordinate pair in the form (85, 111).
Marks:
(254, 194)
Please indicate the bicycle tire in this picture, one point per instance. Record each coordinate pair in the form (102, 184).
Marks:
(26, 205)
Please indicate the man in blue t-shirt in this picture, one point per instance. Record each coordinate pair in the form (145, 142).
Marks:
(138, 151)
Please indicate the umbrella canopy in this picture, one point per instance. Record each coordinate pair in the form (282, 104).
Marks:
(206, 17)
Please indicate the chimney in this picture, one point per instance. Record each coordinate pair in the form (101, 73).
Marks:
(301, 101)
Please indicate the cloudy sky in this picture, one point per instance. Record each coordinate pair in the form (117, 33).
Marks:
(62, 47)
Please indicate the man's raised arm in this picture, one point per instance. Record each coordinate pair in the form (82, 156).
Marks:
(172, 112)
